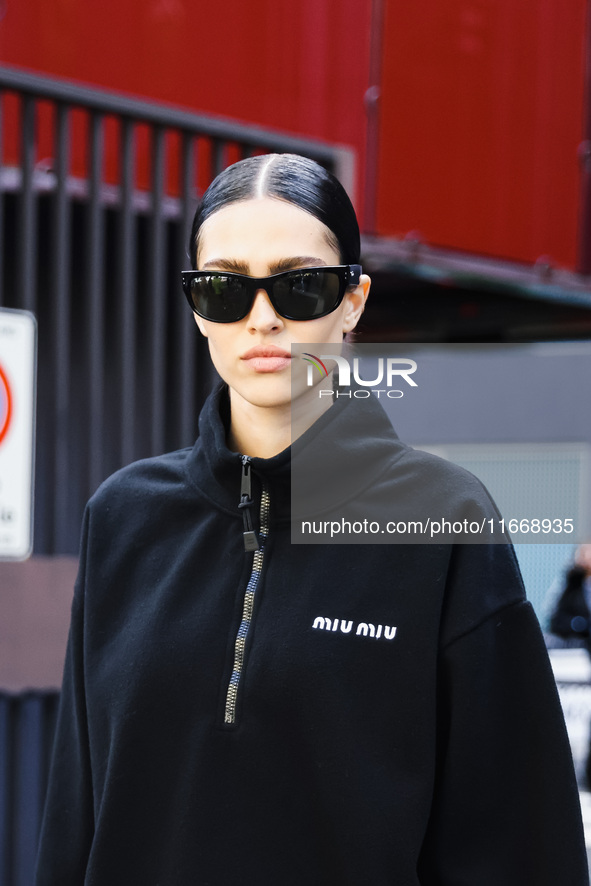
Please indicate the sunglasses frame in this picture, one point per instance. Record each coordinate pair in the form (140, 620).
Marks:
(349, 276)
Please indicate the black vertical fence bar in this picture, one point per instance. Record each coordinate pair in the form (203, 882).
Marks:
(6, 768)
(158, 294)
(2, 264)
(29, 775)
(246, 150)
(372, 108)
(61, 294)
(127, 290)
(94, 291)
(188, 341)
(27, 227)
(27, 727)
(218, 156)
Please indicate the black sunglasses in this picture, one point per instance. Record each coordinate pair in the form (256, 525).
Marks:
(302, 294)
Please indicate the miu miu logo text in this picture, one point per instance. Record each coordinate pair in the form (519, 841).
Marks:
(363, 629)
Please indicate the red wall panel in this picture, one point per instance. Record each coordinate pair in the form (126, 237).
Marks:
(481, 117)
(297, 66)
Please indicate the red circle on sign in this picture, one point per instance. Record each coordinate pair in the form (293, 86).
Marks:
(7, 407)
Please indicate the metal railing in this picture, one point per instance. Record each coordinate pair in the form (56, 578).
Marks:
(92, 238)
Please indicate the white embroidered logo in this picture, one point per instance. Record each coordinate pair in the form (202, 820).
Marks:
(385, 632)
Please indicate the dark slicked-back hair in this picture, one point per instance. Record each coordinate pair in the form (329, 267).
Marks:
(299, 181)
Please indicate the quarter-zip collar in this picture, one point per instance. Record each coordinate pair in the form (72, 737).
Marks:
(217, 471)
(341, 455)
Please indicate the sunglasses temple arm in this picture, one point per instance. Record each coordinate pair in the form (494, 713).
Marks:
(355, 272)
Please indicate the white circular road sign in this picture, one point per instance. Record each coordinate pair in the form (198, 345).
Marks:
(18, 348)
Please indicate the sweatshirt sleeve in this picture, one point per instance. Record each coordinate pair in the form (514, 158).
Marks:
(67, 828)
(505, 807)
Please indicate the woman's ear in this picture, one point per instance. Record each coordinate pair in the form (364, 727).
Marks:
(200, 324)
(355, 303)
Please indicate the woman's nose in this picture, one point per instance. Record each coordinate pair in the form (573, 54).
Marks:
(262, 315)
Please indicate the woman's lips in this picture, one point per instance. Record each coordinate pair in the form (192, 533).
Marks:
(267, 359)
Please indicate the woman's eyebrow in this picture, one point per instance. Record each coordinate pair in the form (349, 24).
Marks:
(298, 261)
(284, 264)
(226, 264)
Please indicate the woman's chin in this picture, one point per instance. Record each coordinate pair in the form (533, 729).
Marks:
(266, 390)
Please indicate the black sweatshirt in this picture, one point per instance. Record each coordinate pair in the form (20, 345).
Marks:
(379, 715)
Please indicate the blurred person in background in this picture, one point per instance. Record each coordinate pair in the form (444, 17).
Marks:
(571, 618)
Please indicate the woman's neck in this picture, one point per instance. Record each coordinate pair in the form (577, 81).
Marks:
(264, 431)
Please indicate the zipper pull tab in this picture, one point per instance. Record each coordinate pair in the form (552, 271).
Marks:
(246, 502)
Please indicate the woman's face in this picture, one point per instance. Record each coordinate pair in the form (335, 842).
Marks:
(583, 557)
(260, 237)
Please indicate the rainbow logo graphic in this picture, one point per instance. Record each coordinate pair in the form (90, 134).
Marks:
(5, 404)
(317, 362)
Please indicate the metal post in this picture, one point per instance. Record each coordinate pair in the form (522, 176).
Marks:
(6, 793)
(127, 291)
(157, 295)
(29, 778)
(1, 196)
(218, 157)
(27, 227)
(94, 292)
(372, 105)
(61, 328)
(189, 332)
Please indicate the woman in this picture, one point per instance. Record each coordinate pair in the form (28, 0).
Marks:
(571, 619)
(572, 615)
(221, 721)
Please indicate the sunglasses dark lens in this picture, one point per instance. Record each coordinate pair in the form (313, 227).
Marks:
(219, 298)
(303, 296)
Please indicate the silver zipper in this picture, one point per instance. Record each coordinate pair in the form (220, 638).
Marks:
(247, 610)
